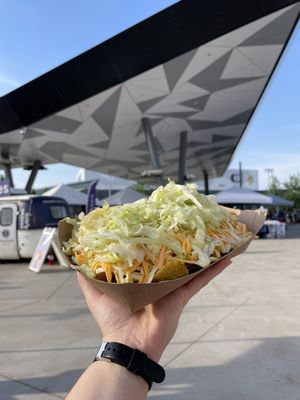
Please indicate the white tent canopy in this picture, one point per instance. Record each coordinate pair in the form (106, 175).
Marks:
(241, 196)
(124, 196)
(70, 195)
(105, 181)
(246, 196)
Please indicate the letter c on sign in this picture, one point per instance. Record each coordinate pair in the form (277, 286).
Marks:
(235, 178)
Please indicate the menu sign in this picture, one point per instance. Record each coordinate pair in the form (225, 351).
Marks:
(41, 250)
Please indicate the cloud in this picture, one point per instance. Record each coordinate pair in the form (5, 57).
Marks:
(7, 84)
(8, 81)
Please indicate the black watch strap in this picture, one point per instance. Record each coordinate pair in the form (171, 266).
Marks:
(134, 360)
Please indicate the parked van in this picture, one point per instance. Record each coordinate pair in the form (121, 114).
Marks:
(22, 220)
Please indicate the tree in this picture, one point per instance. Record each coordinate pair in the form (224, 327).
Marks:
(292, 187)
(274, 186)
(139, 187)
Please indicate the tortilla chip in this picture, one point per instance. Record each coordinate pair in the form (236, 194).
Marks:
(171, 270)
(101, 276)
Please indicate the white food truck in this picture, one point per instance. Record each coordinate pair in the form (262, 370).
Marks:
(22, 220)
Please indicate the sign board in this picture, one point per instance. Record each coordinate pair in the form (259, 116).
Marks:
(4, 187)
(249, 178)
(231, 178)
(41, 250)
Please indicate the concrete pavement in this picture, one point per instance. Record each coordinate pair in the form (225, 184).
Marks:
(238, 339)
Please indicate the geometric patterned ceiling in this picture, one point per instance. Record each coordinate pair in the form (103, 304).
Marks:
(210, 92)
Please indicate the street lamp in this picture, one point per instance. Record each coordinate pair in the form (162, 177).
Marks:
(269, 172)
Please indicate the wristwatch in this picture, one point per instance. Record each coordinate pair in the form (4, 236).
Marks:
(133, 359)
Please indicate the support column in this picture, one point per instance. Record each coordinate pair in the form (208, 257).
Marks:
(8, 174)
(151, 147)
(31, 179)
(182, 157)
(206, 184)
(241, 174)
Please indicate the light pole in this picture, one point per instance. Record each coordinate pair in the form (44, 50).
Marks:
(269, 172)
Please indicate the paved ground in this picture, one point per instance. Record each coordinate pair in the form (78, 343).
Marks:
(239, 338)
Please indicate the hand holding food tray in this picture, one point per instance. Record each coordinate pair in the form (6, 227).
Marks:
(136, 253)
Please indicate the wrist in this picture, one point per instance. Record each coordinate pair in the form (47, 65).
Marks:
(116, 382)
(152, 351)
(132, 359)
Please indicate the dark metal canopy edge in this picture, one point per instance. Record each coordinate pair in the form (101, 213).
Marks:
(162, 37)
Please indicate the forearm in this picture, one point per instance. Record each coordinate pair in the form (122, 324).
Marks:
(108, 381)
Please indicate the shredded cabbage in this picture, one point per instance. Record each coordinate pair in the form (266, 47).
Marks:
(123, 234)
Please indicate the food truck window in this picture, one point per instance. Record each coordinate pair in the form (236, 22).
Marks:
(58, 212)
(6, 217)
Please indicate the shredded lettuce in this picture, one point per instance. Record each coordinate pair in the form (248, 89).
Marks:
(120, 234)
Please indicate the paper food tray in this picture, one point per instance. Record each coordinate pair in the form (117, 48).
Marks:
(135, 296)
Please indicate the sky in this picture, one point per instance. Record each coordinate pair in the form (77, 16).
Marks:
(36, 36)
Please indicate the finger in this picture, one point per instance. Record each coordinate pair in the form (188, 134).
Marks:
(89, 291)
(201, 280)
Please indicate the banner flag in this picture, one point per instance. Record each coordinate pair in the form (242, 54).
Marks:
(91, 201)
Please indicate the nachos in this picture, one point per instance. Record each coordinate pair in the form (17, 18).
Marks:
(174, 232)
